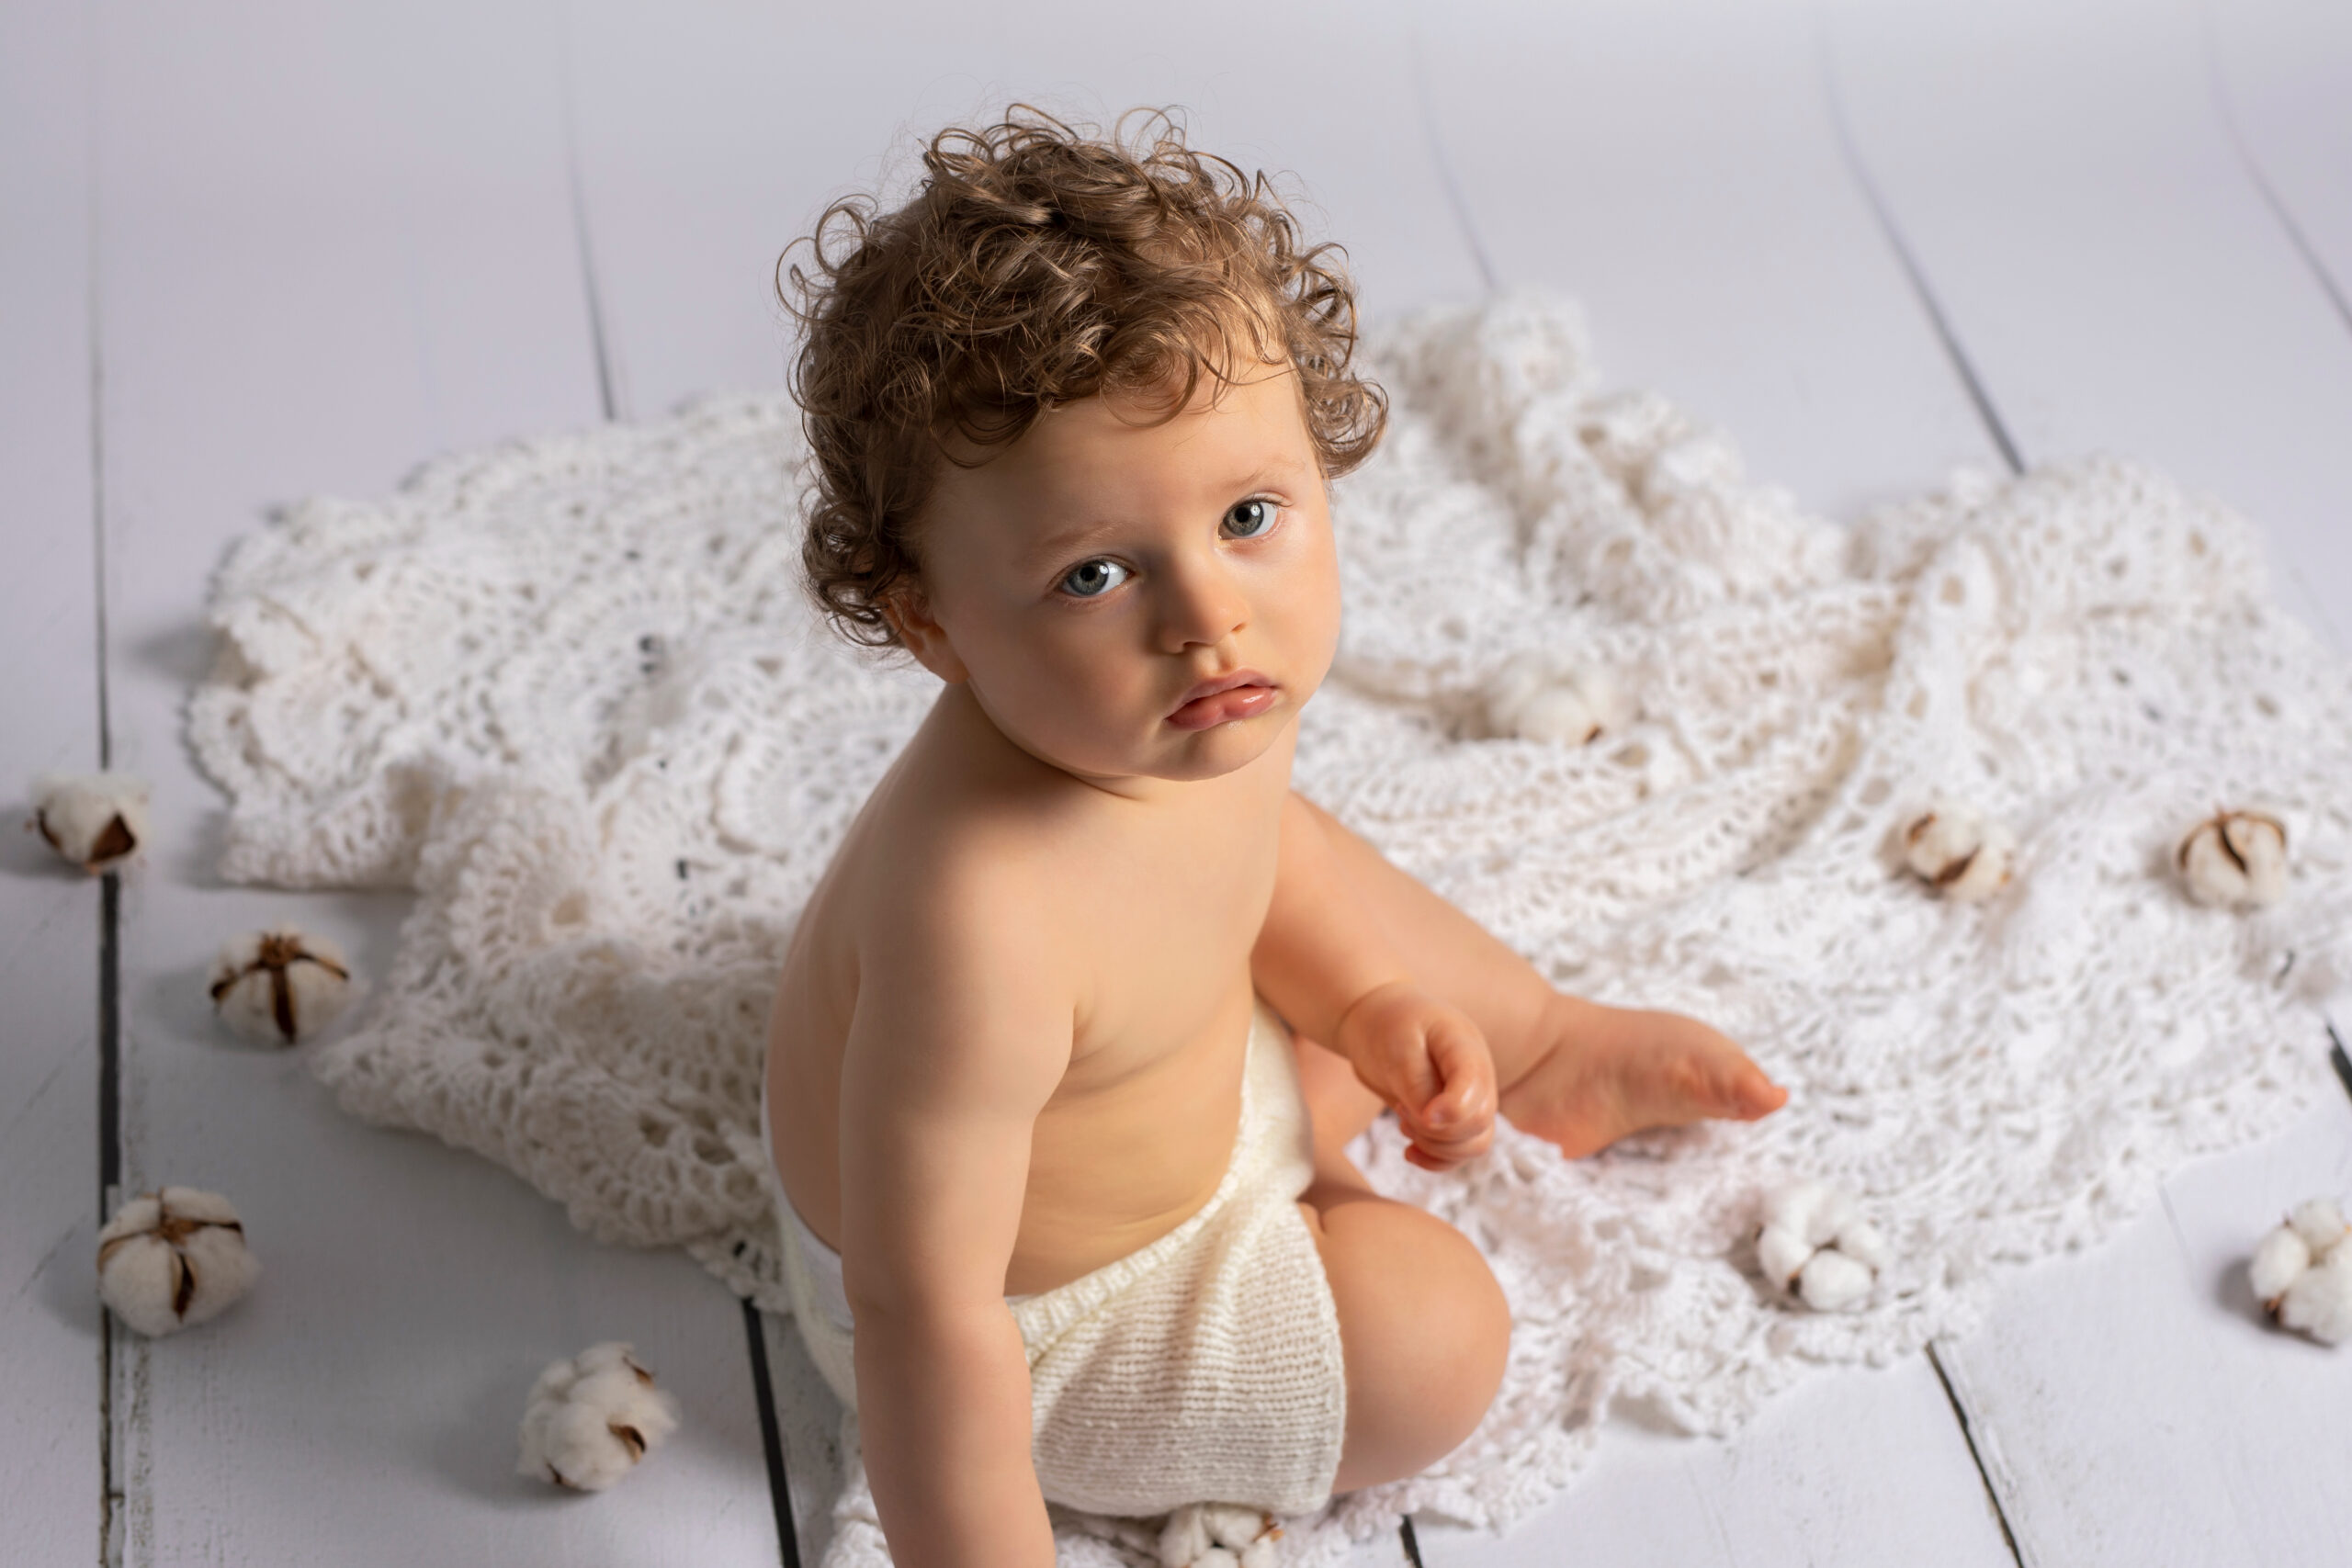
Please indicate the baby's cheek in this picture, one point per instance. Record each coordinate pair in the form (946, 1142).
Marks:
(1094, 691)
(1315, 609)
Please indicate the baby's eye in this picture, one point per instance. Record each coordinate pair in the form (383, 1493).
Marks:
(1093, 578)
(1249, 519)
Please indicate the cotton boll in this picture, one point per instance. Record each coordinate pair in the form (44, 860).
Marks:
(591, 1418)
(2319, 1302)
(1831, 1281)
(280, 987)
(1953, 849)
(2303, 1271)
(95, 821)
(1218, 1535)
(1233, 1525)
(174, 1258)
(2234, 859)
(2282, 1255)
(1817, 1245)
(1557, 714)
(1532, 698)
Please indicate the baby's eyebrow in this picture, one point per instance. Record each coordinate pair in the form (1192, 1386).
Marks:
(1067, 540)
(1063, 539)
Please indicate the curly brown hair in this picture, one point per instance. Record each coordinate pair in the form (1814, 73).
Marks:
(1038, 263)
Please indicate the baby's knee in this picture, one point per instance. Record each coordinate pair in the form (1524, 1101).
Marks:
(1424, 1331)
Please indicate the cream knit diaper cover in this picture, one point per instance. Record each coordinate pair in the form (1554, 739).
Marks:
(1203, 1368)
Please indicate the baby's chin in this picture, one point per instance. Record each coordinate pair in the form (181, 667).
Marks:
(1173, 755)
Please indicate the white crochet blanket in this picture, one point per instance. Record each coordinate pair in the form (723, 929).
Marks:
(568, 691)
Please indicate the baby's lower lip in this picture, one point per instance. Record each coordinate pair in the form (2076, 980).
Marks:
(1206, 713)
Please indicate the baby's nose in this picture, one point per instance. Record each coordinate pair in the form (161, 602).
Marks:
(1203, 606)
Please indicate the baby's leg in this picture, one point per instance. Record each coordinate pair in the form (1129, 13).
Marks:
(1423, 1327)
(1573, 1072)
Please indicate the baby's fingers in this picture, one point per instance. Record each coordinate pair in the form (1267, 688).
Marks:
(1433, 1155)
(1465, 1105)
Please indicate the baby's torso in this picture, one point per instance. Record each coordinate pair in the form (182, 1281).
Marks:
(1139, 1132)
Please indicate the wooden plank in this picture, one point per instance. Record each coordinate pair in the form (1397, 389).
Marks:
(2134, 1405)
(1853, 1466)
(2073, 198)
(2066, 182)
(2278, 69)
(334, 241)
(51, 1441)
(1678, 169)
(711, 136)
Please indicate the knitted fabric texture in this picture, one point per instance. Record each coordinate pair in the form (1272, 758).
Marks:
(1203, 1367)
(571, 692)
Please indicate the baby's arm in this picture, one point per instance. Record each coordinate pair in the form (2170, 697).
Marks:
(958, 1040)
(1577, 1073)
(1324, 962)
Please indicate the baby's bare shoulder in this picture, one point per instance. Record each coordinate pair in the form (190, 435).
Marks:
(944, 894)
(966, 999)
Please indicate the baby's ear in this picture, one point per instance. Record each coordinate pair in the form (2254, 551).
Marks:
(909, 612)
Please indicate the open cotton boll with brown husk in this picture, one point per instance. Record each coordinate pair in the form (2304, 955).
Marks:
(1816, 1245)
(1218, 1535)
(280, 987)
(172, 1258)
(1534, 697)
(1957, 851)
(95, 821)
(2303, 1272)
(591, 1418)
(2234, 859)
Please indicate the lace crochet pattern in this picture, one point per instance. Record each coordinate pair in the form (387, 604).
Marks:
(569, 692)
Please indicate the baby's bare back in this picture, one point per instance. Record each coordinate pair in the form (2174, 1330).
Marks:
(1148, 910)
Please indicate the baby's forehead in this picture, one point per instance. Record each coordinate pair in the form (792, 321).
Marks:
(1230, 436)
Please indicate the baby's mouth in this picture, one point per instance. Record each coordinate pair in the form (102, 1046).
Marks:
(1245, 694)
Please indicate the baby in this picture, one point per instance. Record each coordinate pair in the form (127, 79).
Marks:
(1075, 1031)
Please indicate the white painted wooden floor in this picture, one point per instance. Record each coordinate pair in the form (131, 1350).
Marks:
(250, 251)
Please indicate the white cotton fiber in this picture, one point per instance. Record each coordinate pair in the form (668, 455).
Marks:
(591, 1418)
(2282, 1255)
(2318, 1303)
(1831, 1281)
(2319, 1222)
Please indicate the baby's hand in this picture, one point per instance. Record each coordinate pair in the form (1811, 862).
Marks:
(1428, 1062)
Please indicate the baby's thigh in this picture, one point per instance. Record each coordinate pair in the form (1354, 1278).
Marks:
(1423, 1328)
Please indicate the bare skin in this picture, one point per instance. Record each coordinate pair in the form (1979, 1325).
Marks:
(1008, 1041)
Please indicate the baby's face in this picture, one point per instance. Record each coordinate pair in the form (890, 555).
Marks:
(1128, 599)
